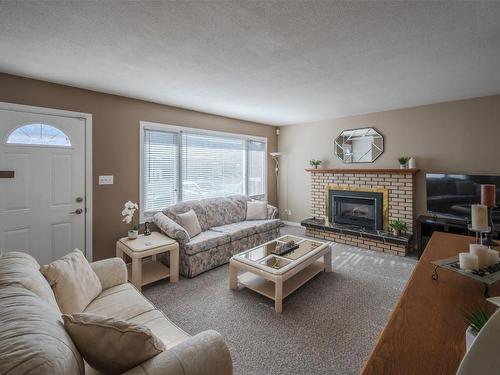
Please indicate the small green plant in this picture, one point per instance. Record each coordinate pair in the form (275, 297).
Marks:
(403, 160)
(398, 226)
(477, 318)
(314, 163)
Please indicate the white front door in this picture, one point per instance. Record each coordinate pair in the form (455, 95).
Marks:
(42, 184)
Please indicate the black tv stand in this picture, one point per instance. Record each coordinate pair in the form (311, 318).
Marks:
(429, 223)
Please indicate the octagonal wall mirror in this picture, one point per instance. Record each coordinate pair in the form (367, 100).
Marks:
(359, 145)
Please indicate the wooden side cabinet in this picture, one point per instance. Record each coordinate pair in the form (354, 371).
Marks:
(144, 267)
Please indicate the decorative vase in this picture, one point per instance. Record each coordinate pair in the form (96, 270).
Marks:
(402, 166)
(132, 234)
(470, 336)
(396, 232)
(412, 163)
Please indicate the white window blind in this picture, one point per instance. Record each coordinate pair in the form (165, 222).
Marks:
(180, 164)
(160, 170)
(256, 168)
(212, 166)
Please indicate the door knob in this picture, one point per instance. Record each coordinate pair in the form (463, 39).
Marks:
(78, 211)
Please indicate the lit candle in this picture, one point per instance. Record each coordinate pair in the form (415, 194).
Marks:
(494, 258)
(488, 195)
(468, 261)
(482, 254)
(479, 216)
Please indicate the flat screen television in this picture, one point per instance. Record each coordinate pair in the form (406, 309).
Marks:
(451, 195)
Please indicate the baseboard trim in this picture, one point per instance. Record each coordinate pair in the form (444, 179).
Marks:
(292, 223)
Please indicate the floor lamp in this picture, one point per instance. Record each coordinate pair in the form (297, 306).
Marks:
(275, 156)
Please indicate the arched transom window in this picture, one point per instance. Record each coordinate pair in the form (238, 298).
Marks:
(38, 134)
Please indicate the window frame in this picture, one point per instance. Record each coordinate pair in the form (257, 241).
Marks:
(147, 125)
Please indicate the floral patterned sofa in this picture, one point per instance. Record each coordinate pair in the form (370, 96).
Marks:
(225, 231)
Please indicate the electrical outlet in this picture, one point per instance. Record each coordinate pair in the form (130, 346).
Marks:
(105, 180)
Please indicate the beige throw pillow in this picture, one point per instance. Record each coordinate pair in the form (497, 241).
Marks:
(189, 221)
(73, 281)
(256, 210)
(111, 345)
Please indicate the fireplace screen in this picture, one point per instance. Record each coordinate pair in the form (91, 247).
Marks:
(357, 210)
(361, 209)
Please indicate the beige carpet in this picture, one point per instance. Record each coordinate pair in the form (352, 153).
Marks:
(328, 326)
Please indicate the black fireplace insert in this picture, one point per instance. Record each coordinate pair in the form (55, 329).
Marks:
(358, 208)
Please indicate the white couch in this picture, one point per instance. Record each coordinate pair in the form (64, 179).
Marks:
(34, 341)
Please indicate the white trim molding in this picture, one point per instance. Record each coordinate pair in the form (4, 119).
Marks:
(87, 118)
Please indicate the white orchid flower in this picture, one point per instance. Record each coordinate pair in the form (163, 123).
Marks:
(129, 211)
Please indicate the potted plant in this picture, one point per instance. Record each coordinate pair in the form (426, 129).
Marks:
(128, 217)
(314, 163)
(403, 161)
(476, 319)
(398, 226)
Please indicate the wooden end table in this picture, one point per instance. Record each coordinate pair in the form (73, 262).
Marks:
(141, 272)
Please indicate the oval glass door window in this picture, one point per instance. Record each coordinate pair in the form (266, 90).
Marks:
(38, 134)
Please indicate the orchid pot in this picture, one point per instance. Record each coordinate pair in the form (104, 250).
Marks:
(133, 234)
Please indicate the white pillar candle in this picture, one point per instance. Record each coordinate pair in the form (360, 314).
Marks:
(494, 257)
(479, 216)
(482, 254)
(468, 261)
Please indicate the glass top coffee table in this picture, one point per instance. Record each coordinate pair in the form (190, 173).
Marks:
(277, 276)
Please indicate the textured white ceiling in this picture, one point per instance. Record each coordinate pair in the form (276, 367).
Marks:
(271, 62)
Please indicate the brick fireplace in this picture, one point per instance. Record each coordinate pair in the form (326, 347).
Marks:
(355, 207)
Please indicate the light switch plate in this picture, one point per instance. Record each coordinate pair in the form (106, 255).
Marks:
(105, 180)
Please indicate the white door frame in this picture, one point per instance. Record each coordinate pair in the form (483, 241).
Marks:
(87, 117)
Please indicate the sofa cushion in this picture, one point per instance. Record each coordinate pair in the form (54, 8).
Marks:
(182, 207)
(226, 210)
(21, 269)
(266, 225)
(246, 228)
(112, 345)
(162, 327)
(256, 210)
(32, 337)
(205, 241)
(190, 223)
(121, 301)
(127, 303)
(74, 282)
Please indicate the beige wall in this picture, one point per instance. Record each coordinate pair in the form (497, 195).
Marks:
(115, 125)
(461, 136)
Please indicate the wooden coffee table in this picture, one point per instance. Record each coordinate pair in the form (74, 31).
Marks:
(275, 276)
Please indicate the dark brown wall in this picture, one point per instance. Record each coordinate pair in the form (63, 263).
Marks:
(115, 125)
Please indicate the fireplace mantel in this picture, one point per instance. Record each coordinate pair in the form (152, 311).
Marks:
(412, 171)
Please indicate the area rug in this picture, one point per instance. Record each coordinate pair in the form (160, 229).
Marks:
(328, 326)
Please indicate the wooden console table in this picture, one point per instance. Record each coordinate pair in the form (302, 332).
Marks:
(425, 333)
